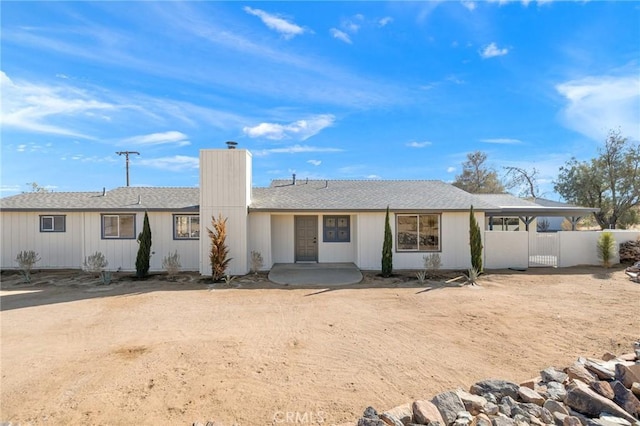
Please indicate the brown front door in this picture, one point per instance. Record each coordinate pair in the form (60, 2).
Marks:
(306, 235)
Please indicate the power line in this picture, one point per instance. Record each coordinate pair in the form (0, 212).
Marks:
(126, 156)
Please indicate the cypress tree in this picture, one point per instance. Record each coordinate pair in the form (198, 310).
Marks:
(144, 250)
(387, 253)
(475, 242)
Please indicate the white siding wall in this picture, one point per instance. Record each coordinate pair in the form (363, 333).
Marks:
(370, 238)
(579, 247)
(20, 231)
(337, 252)
(83, 237)
(454, 242)
(506, 249)
(225, 188)
(282, 240)
(260, 237)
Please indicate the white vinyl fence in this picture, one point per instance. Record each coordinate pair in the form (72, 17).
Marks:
(507, 249)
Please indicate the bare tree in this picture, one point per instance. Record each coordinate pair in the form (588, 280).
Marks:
(526, 181)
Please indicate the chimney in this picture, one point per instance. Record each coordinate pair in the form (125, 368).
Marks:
(104, 191)
(294, 179)
(231, 144)
(139, 199)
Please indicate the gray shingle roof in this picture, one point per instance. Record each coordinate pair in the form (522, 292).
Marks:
(506, 200)
(121, 199)
(363, 195)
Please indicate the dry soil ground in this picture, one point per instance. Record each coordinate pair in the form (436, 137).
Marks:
(158, 352)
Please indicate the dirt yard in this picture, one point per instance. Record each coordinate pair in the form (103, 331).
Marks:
(158, 352)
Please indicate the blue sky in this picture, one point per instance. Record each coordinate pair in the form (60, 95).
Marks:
(331, 90)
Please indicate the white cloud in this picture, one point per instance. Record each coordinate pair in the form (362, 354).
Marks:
(31, 107)
(314, 162)
(340, 35)
(295, 149)
(177, 163)
(9, 188)
(470, 5)
(374, 177)
(21, 148)
(276, 23)
(164, 138)
(383, 22)
(492, 50)
(415, 144)
(451, 169)
(350, 26)
(597, 104)
(502, 141)
(301, 129)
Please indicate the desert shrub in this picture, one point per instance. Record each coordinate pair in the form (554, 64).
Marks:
(219, 254)
(95, 263)
(387, 248)
(606, 247)
(144, 251)
(256, 261)
(171, 263)
(472, 276)
(421, 276)
(432, 263)
(27, 260)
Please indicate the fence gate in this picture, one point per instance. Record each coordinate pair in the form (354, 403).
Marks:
(544, 249)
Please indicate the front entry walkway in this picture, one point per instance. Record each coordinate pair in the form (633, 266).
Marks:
(325, 274)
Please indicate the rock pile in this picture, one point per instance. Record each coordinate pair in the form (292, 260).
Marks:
(590, 392)
(630, 252)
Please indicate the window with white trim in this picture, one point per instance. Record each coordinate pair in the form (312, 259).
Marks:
(418, 232)
(186, 227)
(118, 226)
(53, 223)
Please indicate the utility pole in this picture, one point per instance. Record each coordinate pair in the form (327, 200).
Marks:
(126, 156)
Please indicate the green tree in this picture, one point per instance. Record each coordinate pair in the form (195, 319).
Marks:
(144, 250)
(475, 242)
(219, 254)
(610, 182)
(387, 248)
(477, 177)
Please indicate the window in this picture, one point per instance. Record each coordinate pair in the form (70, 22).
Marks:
(418, 232)
(186, 227)
(336, 229)
(53, 223)
(119, 226)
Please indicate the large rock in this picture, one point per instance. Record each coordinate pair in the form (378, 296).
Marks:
(603, 388)
(481, 420)
(555, 407)
(398, 416)
(628, 374)
(499, 388)
(604, 370)
(449, 404)
(472, 403)
(425, 412)
(586, 401)
(553, 375)
(529, 395)
(578, 371)
(556, 391)
(626, 399)
(503, 421)
(370, 418)
(635, 388)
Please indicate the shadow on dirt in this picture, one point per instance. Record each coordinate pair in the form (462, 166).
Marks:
(62, 286)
